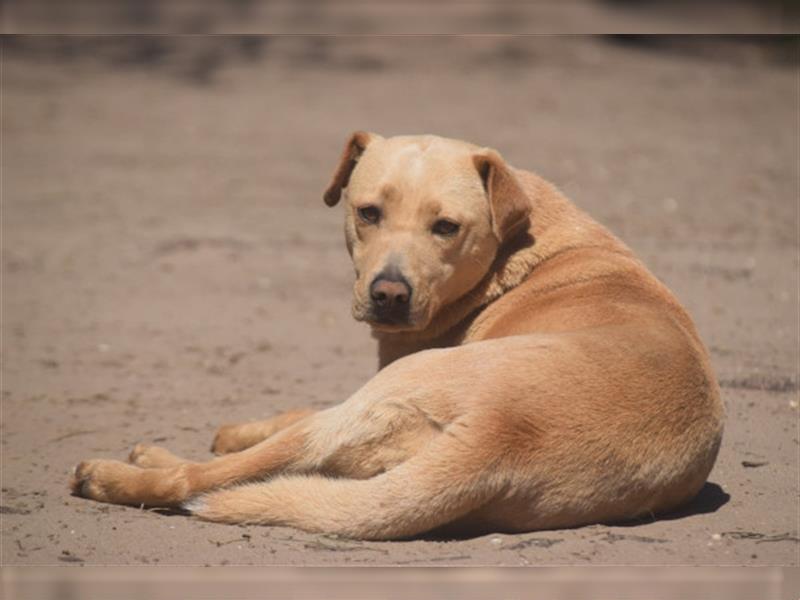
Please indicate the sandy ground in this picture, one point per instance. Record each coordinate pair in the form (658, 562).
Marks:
(168, 265)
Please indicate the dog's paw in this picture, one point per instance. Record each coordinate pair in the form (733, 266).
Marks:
(229, 438)
(153, 457)
(102, 480)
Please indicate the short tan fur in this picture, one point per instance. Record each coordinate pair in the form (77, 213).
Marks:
(535, 375)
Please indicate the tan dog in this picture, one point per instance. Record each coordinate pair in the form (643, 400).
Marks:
(540, 376)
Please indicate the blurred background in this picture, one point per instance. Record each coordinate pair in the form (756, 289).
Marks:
(391, 16)
(168, 263)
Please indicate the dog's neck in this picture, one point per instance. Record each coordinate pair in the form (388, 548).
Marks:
(556, 224)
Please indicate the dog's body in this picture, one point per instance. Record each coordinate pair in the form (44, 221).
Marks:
(534, 373)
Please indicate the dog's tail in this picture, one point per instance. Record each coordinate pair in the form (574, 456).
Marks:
(417, 496)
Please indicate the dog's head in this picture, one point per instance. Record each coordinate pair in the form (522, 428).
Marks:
(425, 217)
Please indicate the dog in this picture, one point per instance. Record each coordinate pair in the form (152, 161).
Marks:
(533, 373)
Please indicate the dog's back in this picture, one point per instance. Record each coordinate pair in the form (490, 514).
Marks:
(601, 399)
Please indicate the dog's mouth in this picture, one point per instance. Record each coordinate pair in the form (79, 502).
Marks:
(399, 320)
(388, 321)
(396, 314)
(394, 320)
(389, 325)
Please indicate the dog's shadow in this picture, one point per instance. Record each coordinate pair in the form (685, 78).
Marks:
(709, 499)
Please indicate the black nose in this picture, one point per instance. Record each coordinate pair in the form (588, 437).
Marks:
(391, 295)
(387, 293)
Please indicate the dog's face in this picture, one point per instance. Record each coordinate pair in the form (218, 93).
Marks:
(420, 224)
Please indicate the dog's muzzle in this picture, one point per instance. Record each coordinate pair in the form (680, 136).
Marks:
(390, 295)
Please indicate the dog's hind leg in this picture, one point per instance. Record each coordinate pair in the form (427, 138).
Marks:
(239, 436)
(360, 438)
(414, 497)
(389, 420)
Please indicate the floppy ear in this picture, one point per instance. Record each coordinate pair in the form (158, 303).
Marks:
(509, 204)
(353, 150)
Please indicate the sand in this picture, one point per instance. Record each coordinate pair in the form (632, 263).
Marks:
(169, 265)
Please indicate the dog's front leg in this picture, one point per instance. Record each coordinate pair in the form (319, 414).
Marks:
(239, 436)
(121, 483)
(229, 438)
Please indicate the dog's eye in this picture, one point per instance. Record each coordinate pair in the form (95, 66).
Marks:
(369, 214)
(445, 227)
